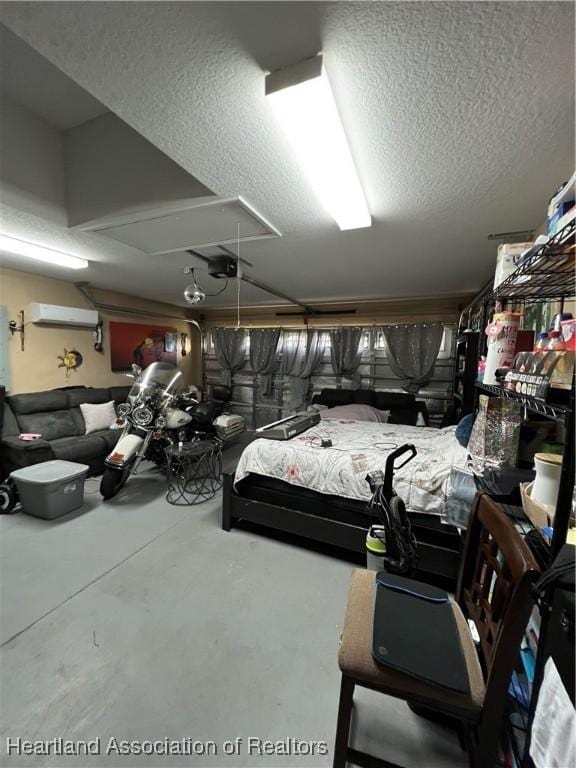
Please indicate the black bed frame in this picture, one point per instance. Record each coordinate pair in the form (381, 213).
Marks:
(439, 545)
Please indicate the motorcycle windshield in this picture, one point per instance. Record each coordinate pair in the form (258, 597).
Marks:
(157, 380)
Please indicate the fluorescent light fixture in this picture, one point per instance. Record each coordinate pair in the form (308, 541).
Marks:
(304, 104)
(17, 247)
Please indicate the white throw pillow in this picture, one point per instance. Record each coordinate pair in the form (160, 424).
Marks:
(97, 417)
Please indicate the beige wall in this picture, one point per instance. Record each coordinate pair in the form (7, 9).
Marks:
(36, 368)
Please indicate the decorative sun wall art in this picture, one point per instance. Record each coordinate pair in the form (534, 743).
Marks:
(71, 360)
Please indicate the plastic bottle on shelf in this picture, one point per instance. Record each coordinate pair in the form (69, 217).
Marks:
(481, 369)
(541, 342)
(560, 318)
(556, 342)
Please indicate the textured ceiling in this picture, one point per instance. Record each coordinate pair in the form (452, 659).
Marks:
(40, 87)
(460, 118)
(113, 265)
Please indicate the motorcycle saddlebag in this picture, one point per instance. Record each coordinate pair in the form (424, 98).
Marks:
(229, 425)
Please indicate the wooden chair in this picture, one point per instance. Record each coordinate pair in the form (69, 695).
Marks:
(495, 591)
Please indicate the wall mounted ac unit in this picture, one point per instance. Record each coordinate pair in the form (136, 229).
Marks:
(52, 314)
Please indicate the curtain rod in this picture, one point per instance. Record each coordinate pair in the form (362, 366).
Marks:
(450, 324)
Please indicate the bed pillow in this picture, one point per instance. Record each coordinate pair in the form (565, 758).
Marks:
(356, 412)
(464, 430)
(97, 417)
(316, 408)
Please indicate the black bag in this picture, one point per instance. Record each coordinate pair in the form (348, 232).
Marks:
(415, 632)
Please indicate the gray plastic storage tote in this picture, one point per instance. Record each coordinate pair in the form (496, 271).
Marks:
(52, 488)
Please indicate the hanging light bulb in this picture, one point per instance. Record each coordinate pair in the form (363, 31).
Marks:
(193, 294)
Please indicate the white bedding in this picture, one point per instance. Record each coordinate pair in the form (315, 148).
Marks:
(359, 447)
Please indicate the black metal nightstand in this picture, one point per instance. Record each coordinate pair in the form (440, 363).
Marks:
(194, 472)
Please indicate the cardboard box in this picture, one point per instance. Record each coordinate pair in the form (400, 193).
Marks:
(539, 515)
(505, 264)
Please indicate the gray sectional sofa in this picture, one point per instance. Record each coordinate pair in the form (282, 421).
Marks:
(56, 415)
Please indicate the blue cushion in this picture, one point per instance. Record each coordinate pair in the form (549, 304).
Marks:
(464, 429)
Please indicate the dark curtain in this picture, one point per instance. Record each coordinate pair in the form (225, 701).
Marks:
(345, 352)
(412, 352)
(230, 349)
(263, 350)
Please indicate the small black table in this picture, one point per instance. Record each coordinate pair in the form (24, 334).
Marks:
(194, 471)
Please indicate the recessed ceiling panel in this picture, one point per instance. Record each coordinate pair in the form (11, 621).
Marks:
(40, 87)
(191, 226)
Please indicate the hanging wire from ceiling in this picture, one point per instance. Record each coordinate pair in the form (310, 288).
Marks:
(238, 275)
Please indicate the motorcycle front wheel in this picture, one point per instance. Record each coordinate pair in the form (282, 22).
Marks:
(112, 480)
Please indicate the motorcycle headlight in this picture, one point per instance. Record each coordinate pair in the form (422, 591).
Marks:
(161, 422)
(124, 409)
(142, 416)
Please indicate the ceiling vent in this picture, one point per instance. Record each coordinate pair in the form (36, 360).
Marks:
(189, 224)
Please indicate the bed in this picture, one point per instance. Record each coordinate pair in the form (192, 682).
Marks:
(298, 487)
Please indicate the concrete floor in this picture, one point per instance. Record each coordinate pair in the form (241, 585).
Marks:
(137, 620)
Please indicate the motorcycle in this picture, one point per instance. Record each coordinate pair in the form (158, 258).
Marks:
(205, 414)
(153, 418)
(211, 418)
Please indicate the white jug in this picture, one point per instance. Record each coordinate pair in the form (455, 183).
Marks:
(548, 469)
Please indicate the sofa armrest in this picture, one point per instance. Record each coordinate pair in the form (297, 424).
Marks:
(18, 453)
(12, 442)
